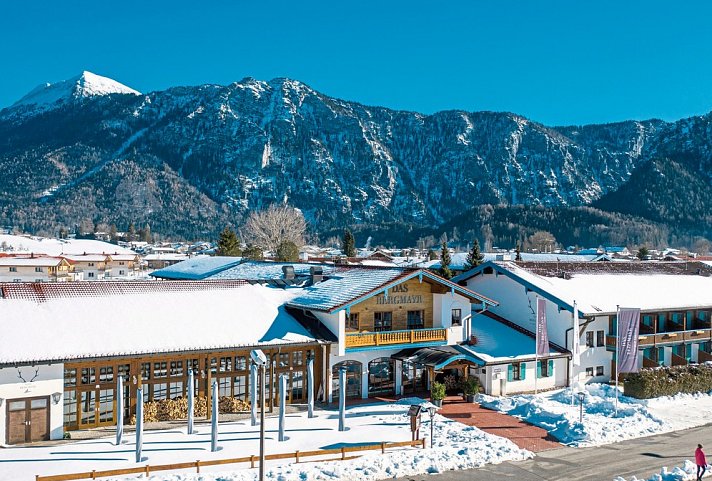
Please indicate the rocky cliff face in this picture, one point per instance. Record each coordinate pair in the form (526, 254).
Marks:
(189, 159)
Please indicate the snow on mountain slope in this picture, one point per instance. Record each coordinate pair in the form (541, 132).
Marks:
(87, 84)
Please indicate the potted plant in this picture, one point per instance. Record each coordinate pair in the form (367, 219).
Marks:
(437, 393)
(470, 387)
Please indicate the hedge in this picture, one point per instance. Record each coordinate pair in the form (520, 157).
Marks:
(668, 381)
(174, 409)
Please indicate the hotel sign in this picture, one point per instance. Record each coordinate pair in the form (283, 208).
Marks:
(399, 295)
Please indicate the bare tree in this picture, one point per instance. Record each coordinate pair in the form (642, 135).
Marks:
(541, 241)
(274, 225)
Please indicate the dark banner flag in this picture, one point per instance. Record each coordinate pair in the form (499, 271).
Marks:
(628, 331)
(542, 337)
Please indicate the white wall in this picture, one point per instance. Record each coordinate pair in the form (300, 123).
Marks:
(442, 315)
(491, 378)
(336, 323)
(516, 306)
(49, 380)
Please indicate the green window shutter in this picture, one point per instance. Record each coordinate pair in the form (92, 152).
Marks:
(538, 369)
(522, 371)
(551, 367)
(510, 373)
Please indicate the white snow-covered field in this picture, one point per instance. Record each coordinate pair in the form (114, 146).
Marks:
(456, 446)
(18, 244)
(686, 472)
(636, 418)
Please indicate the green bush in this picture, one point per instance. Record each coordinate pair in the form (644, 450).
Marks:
(668, 381)
(470, 386)
(437, 391)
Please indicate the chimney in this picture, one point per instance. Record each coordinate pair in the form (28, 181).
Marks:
(316, 273)
(288, 272)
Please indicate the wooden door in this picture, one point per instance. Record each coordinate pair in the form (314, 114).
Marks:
(27, 420)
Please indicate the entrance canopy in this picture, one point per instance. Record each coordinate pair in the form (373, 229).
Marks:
(437, 357)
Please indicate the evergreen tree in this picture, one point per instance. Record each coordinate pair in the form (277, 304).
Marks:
(445, 260)
(287, 251)
(348, 244)
(131, 233)
(643, 253)
(229, 244)
(474, 257)
(432, 255)
(113, 234)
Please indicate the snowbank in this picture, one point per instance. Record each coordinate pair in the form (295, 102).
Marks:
(456, 446)
(601, 424)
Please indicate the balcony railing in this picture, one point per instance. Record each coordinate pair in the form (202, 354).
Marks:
(387, 338)
(696, 335)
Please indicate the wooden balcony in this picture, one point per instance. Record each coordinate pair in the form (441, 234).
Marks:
(389, 338)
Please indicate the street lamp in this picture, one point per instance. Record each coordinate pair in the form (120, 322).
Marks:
(581, 396)
(260, 360)
(432, 410)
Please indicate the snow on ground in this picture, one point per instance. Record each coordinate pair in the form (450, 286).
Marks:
(636, 418)
(18, 244)
(686, 472)
(456, 446)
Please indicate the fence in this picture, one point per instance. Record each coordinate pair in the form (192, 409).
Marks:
(253, 460)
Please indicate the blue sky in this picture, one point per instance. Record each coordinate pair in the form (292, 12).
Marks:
(557, 62)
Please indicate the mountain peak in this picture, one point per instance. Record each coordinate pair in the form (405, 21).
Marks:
(86, 84)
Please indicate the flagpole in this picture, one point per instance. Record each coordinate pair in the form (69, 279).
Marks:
(574, 339)
(618, 344)
(536, 347)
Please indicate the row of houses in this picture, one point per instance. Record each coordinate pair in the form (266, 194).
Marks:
(394, 330)
(66, 268)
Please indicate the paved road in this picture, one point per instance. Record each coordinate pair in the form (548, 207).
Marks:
(641, 457)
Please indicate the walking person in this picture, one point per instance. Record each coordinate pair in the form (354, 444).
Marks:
(701, 462)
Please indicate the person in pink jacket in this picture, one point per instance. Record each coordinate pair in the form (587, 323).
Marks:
(701, 462)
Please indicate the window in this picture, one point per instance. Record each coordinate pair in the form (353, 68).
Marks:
(88, 375)
(226, 364)
(352, 321)
(122, 273)
(90, 274)
(546, 368)
(145, 371)
(240, 363)
(284, 359)
(106, 374)
(90, 264)
(589, 371)
(382, 321)
(121, 263)
(599, 370)
(516, 371)
(589, 338)
(457, 317)
(415, 320)
(298, 358)
(600, 338)
(160, 369)
(13, 269)
(176, 368)
(38, 269)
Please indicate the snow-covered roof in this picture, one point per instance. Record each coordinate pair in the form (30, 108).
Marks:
(497, 341)
(30, 261)
(601, 289)
(56, 247)
(458, 259)
(265, 271)
(166, 257)
(149, 322)
(196, 268)
(350, 284)
(123, 257)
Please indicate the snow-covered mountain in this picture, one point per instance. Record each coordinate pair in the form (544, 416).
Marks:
(87, 84)
(190, 159)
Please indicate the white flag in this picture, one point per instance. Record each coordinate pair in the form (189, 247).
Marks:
(542, 335)
(576, 341)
